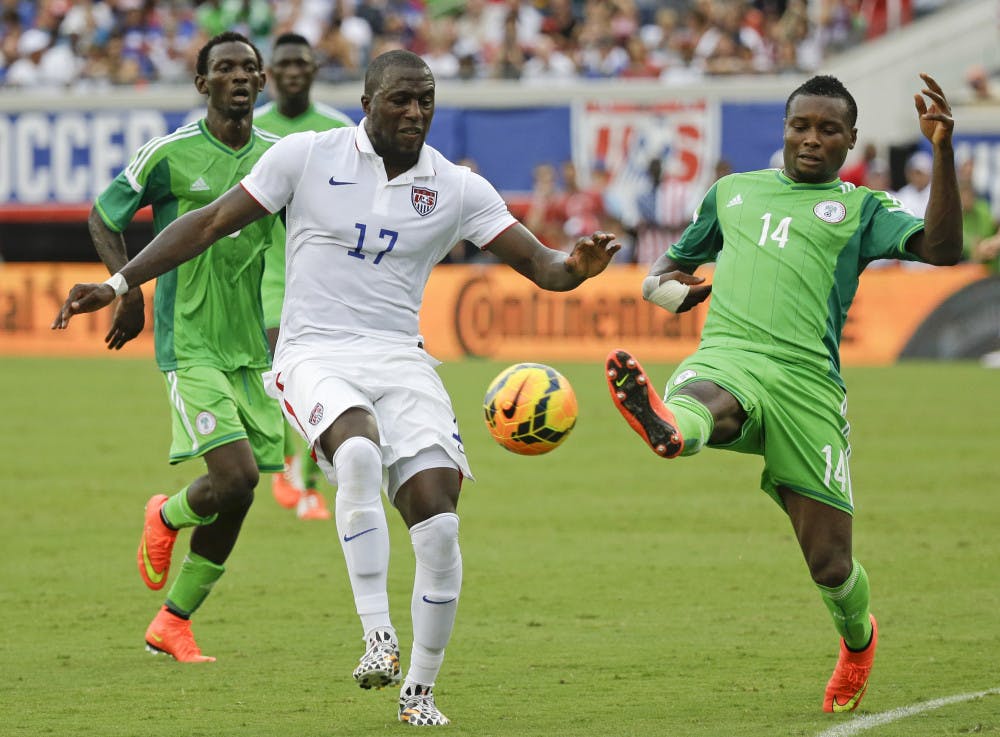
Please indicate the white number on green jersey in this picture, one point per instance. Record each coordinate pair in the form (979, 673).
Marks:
(838, 473)
(779, 234)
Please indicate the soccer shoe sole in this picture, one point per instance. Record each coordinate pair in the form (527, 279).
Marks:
(377, 680)
(640, 406)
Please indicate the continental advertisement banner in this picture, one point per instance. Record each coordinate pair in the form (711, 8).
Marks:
(492, 312)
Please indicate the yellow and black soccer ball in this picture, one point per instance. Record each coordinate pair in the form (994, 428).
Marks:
(530, 408)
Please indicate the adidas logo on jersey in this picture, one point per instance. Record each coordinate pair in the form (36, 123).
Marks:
(737, 200)
(198, 185)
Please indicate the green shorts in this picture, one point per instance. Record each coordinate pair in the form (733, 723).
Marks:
(796, 419)
(272, 284)
(213, 407)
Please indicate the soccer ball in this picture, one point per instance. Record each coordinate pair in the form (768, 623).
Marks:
(530, 408)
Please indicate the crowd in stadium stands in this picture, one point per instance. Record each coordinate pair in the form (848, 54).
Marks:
(88, 44)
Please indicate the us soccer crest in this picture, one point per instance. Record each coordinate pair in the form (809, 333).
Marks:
(423, 199)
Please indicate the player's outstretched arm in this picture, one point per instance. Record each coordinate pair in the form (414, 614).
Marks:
(180, 241)
(551, 269)
(940, 242)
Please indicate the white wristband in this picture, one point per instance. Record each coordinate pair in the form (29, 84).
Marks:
(117, 282)
(668, 295)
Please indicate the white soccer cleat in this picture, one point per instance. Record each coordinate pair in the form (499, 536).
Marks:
(379, 666)
(417, 707)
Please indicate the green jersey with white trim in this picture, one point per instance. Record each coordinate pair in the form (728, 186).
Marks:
(788, 256)
(318, 117)
(207, 311)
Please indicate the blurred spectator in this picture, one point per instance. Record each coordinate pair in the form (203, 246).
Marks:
(665, 207)
(337, 58)
(548, 64)
(878, 176)
(545, 215)
(917, 190)
(979, 88)
(857, 173)
(977, 221)
(510, 56)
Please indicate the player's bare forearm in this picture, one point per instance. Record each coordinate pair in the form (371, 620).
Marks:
(554, 270)
(110, 245)
(942, 237)
(940, 243)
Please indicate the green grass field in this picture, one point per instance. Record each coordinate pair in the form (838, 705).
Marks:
(607, 592)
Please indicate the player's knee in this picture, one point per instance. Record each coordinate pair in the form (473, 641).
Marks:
(435, 542)
(830, 569)
(357, 466)
(234, 489)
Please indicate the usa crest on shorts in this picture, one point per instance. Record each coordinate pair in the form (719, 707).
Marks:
(423, 199)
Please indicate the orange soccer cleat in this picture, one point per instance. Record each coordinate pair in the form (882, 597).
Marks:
(156, 545)
(286, 492)
(171, 635)
(849, 682)
(641, 407)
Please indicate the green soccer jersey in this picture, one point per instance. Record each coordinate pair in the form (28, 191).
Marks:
(318, 117)
(788, 257)
(207, 311)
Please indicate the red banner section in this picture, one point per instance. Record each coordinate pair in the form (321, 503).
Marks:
(492, 312)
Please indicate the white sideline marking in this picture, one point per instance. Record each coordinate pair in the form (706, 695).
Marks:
(868, 721)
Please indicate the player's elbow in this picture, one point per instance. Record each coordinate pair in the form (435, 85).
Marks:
(947, 255)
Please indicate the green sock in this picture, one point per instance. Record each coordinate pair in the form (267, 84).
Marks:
(694, 422)
(293, 441)
(310, 470)
(178, 512)
(849, 607)
(193, 584)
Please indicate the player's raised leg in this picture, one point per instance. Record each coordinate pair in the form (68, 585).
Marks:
(641, 406)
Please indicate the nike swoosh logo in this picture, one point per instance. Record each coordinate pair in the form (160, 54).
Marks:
(151, 573)
(622, 380)
(155, 636)
(851, 702)
(435, 601)
(336, 182)
(348, 538)
(508, 412)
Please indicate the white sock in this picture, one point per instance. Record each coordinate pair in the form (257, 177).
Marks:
(362, 528)
(436, 587)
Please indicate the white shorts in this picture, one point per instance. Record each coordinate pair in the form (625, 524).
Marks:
(398, 387)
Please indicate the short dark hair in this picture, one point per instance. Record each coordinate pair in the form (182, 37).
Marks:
(201, 66)
(290, 38)
(824, 85)
(382, 62)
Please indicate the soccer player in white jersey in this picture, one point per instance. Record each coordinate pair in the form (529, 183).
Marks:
(370, 210)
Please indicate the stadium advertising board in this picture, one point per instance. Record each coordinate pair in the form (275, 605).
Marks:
(69, 157)
(492, 312)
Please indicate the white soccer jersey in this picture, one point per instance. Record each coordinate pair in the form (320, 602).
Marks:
(359, 247)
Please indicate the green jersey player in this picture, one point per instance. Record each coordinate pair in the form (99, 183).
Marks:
(291, 71)
(209, 333)
(788, 247)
